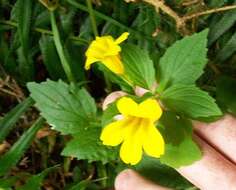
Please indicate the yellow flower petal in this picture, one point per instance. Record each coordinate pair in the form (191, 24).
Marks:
(150, 108)
(132, 125)
(106, 45)
(106, 50)
(113, 133)
(153, 143)
(131, 150)
(114, 64)
(89, 62)
(111, 47)
(122, 38)
(127, 106)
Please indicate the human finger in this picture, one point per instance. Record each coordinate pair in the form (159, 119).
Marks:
(220, 134)
(213, 171)
(131, 180)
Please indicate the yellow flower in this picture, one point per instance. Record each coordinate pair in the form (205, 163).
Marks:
(136, 131)
(106, 50)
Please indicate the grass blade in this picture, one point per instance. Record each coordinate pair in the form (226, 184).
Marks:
(8, 122)
(10, 159)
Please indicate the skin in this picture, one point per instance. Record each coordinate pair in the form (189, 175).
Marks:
(217, 168)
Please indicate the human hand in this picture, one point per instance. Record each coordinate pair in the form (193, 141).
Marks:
(215, 171)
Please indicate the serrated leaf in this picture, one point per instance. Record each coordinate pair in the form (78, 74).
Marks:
(10, 119)
(138, 66)
(184, 154)
(164, 175)
(86, 145)
(35, 181)
(66, 108)
(184, 61)
(9, 159)
(225, 93)
(190, 101)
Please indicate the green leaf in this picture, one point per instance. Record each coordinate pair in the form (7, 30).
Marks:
(23, 11)
(82, 185)
(24, 14)
(86, 144)
(116, 79)
(35, 181)
(60, 48)
(50, 58)
(184, 61)
(184, 154)
(190, 101)
(66, 108)
(180, 149)
(74, 54)
(138, 66)
(8, 183)
(222, 26)
(228, 50)
(147, 21)
(174, 129)
(225, 93)
(152, 169)
(8, 160)
(10, 119)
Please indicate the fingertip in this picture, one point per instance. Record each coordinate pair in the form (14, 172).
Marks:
(122, 180)
(111, 98)
(131, 180)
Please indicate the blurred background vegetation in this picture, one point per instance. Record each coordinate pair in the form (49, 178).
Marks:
(31, 155)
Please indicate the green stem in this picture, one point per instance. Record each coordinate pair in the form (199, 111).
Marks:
(43, 31)
(60, 49)
(102, 173)
(92, 18)
(66, 165)
(108, 83)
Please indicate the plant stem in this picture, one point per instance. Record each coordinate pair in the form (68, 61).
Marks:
(102, 173)
(210, 11)
(92, 18)
(60, 49)
(43, 31)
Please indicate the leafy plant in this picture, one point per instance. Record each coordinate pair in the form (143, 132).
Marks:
(182, 63)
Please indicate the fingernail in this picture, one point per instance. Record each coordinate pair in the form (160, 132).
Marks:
(122, 180)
